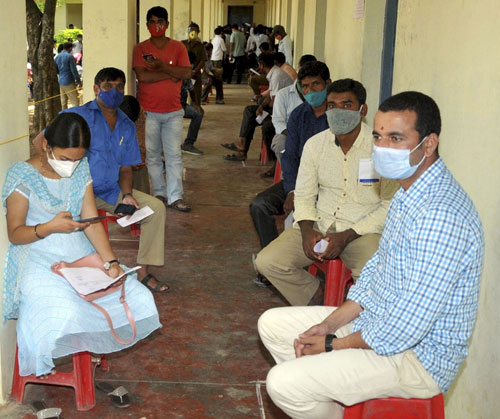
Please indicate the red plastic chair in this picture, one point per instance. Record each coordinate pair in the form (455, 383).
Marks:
(396, 408)
(337, 278)
(81, 379)
(277, 173)
(135, 229)
(263, 153)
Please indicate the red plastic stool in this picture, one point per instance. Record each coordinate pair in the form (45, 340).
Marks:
(263, 153)
(277, 172)
(135, 229)
(337, 278)
(81, 379)
(396, 408)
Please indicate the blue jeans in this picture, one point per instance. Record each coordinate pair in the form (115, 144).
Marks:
(195, 124)
(164, 134)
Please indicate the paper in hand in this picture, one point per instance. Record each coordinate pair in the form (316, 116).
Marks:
(139, 215)
(261, 117)
(88, 280)
(289, 220)
(321, 246)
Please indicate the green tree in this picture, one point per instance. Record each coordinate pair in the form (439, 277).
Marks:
(40, 31)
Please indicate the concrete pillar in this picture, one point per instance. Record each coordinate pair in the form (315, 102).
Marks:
(197, 16)
(180, 19)
(14, 123)
(297, 30)
(207, 29)
(110, 35)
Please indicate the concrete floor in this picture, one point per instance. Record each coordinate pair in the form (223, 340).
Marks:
(207, 360)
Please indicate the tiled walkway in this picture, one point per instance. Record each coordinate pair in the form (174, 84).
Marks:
(207, 360)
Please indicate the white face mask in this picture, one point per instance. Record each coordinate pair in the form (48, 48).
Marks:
(61, 167)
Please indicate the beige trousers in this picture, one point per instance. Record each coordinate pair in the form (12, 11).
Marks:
(69, 92)
(152, 241)
(307, 387)
(283, 261)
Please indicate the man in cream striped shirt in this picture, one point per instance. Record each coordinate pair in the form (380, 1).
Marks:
(338, 197)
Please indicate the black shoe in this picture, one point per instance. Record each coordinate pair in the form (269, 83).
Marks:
(191, 149)
(261, 281)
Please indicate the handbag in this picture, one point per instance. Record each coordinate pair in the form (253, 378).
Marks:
(95, 261)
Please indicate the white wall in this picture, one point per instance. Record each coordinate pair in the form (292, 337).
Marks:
(449, 50)
(13, 123)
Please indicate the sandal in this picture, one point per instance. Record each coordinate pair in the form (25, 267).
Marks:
(119, 396)
(234, 157)
(42, 412)
(157, 288)
(231, 147)
(180, 205)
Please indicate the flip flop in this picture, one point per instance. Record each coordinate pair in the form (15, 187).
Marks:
(179, 205)
(119, 396)
(157, 288)
(234, 157)
(42, 412)
(231, 147)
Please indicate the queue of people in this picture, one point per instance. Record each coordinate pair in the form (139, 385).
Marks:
(380, 198)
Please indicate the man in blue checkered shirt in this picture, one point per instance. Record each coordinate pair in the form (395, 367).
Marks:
(404, 329)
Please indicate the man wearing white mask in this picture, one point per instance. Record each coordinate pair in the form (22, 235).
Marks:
(338, 197)
(404, 329)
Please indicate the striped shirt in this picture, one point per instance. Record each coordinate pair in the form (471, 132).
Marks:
(420, 290)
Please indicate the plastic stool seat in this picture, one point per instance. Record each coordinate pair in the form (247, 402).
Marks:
(396, 408)
(337, 278)
(277, 172)
(263, 153)
(81, 378)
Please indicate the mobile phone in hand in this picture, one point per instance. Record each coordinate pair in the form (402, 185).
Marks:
(125, 209)
(88, 220)
(147, 56)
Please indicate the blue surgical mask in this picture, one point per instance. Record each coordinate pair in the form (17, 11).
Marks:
(394, 163)
(112, 98)
(315, 99)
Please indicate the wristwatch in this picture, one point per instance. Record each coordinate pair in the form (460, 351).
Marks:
(126, 194)
(329, 342)
(107, 264)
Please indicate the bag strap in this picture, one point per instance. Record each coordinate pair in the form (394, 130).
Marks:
(127, 312)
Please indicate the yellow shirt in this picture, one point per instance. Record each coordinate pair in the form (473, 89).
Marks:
(330, 191)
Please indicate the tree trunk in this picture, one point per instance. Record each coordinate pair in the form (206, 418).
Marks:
(40, 28)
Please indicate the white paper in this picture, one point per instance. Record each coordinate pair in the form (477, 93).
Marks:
(139, 215)
(255, 72)
(261, 117)
(321, 246)
(359, 9)
(367, 174)
(289, 220)
(88, 280)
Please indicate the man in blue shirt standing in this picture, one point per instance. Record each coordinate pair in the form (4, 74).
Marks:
(113, 151)
(404, 329)
(305, 121)
(68, 76)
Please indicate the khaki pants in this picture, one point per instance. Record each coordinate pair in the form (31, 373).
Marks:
(69, 92)
(256, 82)
(307, 387)
(283, 261)
(152, 241)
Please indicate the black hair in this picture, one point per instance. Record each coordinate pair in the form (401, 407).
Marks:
(349, 85)
(60, 48)
(209, 46)
(109, 74)
(279, 58)
(79, 36)
(68, 130)
(192, 57)
(266, 59)
(428, 115)
(218, 30)
(265, 47)
(307, 58)
(314, 69)
(235, 26)
(130, 107)
(68, 45)
(194, 26)
(157, 11)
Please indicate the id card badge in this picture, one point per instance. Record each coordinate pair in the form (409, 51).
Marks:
(367, 175)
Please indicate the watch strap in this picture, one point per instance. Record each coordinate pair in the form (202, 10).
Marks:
(329, 342)
(108, 263)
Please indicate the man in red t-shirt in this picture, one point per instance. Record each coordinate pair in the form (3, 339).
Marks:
(160, 64)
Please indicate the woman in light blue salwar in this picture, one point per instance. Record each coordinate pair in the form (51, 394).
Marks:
(43, 198)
